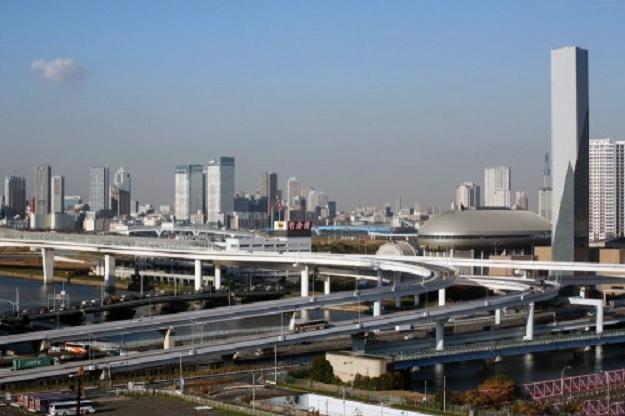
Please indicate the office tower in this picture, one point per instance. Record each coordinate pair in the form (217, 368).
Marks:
(520, 200)
(189, 197)
(331, 209)
(98, 188)
(544, 193)
(120, 193)
(607, 189)
(58, 195)
(292, 191)
(311, 201)
(42, 183)
(497, 186)
(15, 195)
(219, 190)
(468, 195)
(569, 151)
(268, 182)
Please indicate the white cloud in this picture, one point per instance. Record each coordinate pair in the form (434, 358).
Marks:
(59, 70)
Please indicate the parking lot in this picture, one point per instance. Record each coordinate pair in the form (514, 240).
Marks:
(132, 406)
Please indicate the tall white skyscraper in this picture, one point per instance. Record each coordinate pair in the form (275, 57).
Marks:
(43, 177)
(58, 195)
(219, 190)
(15, 195)
(497, 186)
(189, 191)
(99, 188)
(292, 191)
(569, 151)
(468, 195)
(607, 189)
(544, 193)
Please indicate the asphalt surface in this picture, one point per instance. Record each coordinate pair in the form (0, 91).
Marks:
(132, 406)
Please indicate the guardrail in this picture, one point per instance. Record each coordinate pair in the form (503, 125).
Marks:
(499, 345)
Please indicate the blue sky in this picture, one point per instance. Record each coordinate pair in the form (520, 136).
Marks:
(366, 100)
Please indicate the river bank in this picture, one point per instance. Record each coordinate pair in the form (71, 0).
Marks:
(28, 274)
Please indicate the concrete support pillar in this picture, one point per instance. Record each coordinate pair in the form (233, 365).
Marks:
(440, 336)
(417, 300)
(304, 281)
(197, 280)
(47, 260)
(582, 292)
(326, 285)
(599, 318)
(497, 316)
(442, 293)
(377, 305)
(168, 342)
(398, 302)
(529, 326)
(109, 272)
(217, 280)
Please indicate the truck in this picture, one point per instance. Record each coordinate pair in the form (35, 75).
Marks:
(24, 363)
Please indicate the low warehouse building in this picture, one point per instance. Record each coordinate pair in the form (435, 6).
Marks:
(347, 364)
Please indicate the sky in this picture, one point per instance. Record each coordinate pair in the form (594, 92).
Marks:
(366, 100)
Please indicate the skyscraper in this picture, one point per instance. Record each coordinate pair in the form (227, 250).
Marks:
(607, 189)
(569, 150)
(15, 195)
(268, 183)
(58, 195)
(292, 191)
(497, 186)
(468, 195)
(120, 193)
(544, 193)
(190, 184)
(219, 190)
(98, 188)
(42, 183)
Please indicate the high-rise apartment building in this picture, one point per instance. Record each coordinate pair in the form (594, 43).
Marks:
(497, 186)
(292, 191)
(15, 195)
(99, 188)
(544, 193)
(607, 189)
(467, 195)
(190, 184)
(219, 190)
(268, 183)
(569, 150)
(58, 195)
(42, 182)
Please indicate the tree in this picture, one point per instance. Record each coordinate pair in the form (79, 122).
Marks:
(321, 370)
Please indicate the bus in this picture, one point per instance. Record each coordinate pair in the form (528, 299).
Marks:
(312, 325)
(68, 408)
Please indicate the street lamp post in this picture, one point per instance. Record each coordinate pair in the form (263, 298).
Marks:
(566, 367)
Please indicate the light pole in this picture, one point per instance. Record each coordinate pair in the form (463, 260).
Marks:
(275, 364)
(566, 367)
(444, 394)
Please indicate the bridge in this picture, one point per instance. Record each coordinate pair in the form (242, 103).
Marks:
(417, 275)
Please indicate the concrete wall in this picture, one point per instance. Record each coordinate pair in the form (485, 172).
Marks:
(346, 365)
(500, 271)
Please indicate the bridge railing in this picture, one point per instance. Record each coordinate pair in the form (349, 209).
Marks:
(602, 408)
(105, 240)
(500, 345)
(549, 389)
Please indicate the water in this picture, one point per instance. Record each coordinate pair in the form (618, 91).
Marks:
(522, 368)
(34, 294)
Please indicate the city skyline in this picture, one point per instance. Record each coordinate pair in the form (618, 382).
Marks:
(373, 97)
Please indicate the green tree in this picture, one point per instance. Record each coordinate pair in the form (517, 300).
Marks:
(321, 370)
